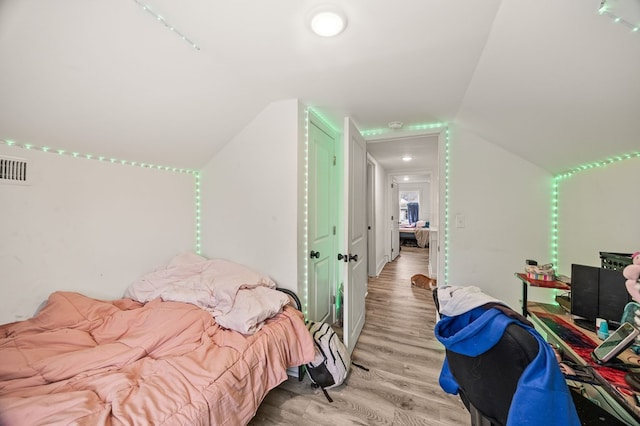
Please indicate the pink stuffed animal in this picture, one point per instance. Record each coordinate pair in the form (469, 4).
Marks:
(632, 274)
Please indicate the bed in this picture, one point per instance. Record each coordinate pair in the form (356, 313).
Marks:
(417, 235)
(87, 361)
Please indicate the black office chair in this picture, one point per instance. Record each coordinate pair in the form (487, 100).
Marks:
(488, 383)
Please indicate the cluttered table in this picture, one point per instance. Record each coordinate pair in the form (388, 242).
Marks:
(613, 392)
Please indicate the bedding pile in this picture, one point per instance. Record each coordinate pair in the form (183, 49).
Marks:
(238, 297)
(86, 361)
(422, 237)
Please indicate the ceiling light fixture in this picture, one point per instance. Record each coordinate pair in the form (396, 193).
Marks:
(327, 21)
(395, 125)
(407, 158)
(406, 178)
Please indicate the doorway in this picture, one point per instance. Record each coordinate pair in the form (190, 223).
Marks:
(382, 163)
(409, 162)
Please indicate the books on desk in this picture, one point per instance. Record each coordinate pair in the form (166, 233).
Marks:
(540, 277)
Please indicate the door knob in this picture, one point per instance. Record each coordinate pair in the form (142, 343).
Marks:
(353, 257)
(315, 254)
(342, 256)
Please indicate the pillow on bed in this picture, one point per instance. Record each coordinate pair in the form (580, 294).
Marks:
(235, 294)
(420, 224)
(251, 308)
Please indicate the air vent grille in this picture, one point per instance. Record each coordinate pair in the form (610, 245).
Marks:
(13, 170)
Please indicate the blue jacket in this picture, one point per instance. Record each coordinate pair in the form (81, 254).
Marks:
(542, 396)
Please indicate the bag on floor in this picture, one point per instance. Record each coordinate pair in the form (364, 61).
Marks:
(331, 364)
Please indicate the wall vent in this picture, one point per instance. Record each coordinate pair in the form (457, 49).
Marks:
(13, 170)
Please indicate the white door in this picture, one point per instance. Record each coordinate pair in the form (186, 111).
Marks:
(321, 229)
(356, 232)
(395, 219)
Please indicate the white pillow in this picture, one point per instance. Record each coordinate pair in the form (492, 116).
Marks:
(251, 308)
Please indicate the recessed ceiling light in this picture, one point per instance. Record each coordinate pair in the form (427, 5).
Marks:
(407, 158)
(327, 21)
(406, 178)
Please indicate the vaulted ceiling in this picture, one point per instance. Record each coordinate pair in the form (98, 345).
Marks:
(554, 82)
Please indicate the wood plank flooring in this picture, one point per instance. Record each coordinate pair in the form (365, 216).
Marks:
(398, 346)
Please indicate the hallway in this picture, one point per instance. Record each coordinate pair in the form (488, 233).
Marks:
(398, 346)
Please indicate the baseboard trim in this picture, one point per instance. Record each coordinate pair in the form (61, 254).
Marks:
(380, 266)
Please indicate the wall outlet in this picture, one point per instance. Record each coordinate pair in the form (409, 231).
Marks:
(459, 221)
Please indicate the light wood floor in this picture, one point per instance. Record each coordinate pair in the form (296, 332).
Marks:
(398, 346)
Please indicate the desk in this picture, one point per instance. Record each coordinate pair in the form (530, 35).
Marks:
(526, 282)
(577, 343)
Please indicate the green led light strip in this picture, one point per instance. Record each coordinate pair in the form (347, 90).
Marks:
(323, 119)
(305, 237)
(604, 10)
(555, 194)
(554, 221)
(166, 24)
(195, 173)
(198, 180)
(96, 157)
(382, 131)
(446, 206)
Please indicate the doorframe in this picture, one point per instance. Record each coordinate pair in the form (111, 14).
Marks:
(371, 218)
(441, 219)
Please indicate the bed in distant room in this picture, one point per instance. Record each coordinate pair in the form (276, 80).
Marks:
(416, 235)
(197, 342)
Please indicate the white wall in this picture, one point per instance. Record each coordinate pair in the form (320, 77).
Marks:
(250, 195)
(599, 210)
(505, 202)
(87, 226)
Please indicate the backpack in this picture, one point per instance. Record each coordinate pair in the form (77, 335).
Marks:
(332, 361)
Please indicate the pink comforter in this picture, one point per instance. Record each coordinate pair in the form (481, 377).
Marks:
(85, 361)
